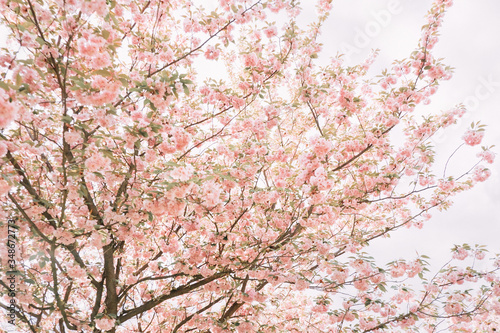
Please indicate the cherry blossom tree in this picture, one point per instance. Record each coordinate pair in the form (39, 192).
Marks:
(150, 198)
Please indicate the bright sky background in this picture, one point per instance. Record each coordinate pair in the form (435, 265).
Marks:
(469, 44)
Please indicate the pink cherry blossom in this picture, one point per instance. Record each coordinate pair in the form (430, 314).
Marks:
(486, 155)
(461, 253)
(3, 149)
(96, 162)
(4, 187)
(271, 31)
(72, 138)
(212, 53)
(480, 174)
(8, 110)
(472, 137)
(105, 324)
(182, 173)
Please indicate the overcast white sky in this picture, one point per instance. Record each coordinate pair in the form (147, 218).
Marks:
(469, 43)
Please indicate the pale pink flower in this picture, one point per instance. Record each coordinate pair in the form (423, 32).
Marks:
(376, 279)
(98, 6)
(446, 185)
(480, 255)
(105, 324)
(349, 316)
(414, 268)
(72, 137)
(472, 137)
(6, 60)
(424, 180)
(245, 327)
(212, 194)
(166, 148)
(8, 110)
(402, 296)
(96, 162)
(206, 272)
(76, 272)
(4, 187)
(321, 146)
(486, 155)
(361, 285)
(271, 32)
(64, 237)
(182, 173)
(250, 60)
(480, 174)
(340, 275)
(301, 285)
(98, 82)
(101, 60)
(237, 102)
(398, 269)
(319, 308)
(212, 53)
(453, 308)
(181, 138)
(460, 254)
(3, 149)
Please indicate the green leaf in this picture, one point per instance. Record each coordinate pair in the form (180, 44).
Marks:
(98, 174)
(142, 132)
(101, 72)
(106, 152)
(155, 127)
(67, 119)
(105, 34)
(115, 20)
(124, 81)
(4, 85)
